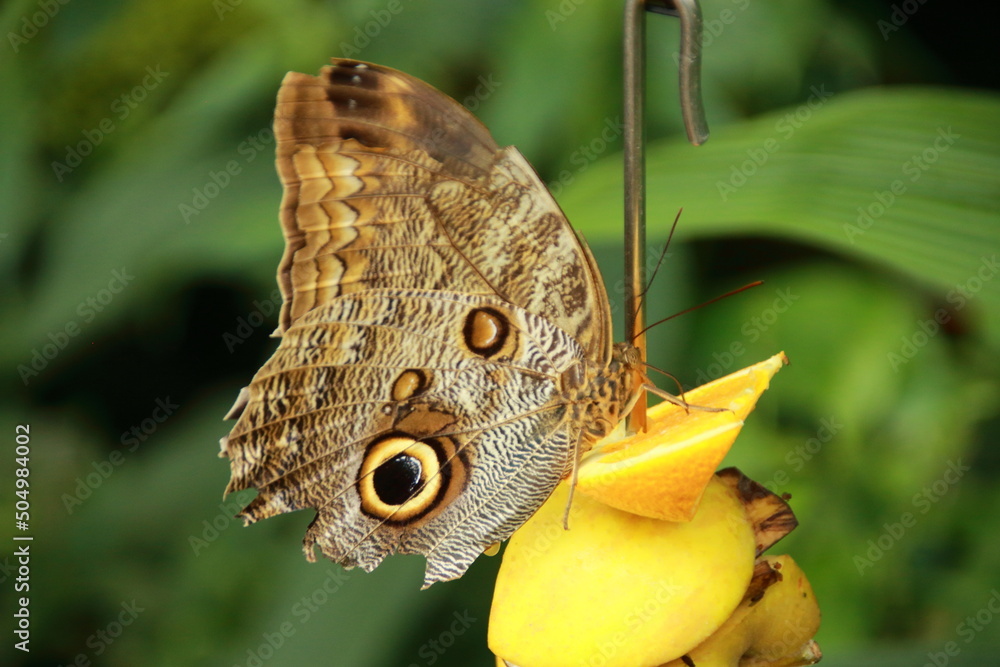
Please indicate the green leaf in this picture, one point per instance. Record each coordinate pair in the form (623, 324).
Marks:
(904, 178)
(140, 212)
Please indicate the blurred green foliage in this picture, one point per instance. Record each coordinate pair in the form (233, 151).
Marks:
(140, 239)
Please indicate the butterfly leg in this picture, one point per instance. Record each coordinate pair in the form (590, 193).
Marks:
(574, 475)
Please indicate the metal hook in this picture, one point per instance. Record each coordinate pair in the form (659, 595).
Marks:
(693, 112)
(689, 66)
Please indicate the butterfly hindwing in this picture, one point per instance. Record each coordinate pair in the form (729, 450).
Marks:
(372, 368)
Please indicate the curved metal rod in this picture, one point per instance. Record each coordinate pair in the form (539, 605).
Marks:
(693, 111)
(689, 66)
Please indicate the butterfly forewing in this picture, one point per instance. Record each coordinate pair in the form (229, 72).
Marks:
(391, 183)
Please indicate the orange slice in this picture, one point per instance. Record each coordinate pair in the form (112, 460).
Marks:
(662, 473)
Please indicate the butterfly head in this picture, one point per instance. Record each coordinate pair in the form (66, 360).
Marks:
(628, 363)
(606, 393)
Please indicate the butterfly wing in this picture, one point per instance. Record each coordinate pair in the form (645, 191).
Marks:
(435, 297)
(391, 183)
(389, 372)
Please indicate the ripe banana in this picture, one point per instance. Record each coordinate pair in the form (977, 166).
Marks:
(644, 592)
(772, 627)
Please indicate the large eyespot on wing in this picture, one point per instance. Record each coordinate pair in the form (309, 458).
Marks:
(405, 427)
(404, 479)
(523, 247)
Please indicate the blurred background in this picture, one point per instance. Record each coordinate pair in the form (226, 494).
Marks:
(853, 167)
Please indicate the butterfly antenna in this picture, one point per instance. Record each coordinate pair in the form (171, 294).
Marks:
(730, 293)
(659, 262)
(678, 400)
(680, 389)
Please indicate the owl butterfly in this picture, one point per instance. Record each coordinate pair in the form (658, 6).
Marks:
(446, 349)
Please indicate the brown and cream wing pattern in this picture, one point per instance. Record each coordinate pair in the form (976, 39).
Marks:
(396, 368)
(435, 302)
(390, 183)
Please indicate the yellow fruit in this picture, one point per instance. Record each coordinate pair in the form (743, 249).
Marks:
(769, 514)
(662, 473)
(626, 590)
(775, 630)
(788, 618)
